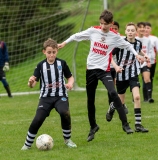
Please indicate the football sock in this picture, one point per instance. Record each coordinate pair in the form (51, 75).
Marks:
(137, 113)
(29, 139)
(66, 134)
(149, 89)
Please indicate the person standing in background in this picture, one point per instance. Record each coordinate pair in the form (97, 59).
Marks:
(4, 66)
(154, 43)
(145, 67)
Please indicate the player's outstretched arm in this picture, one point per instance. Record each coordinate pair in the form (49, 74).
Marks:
(32, 81)
(61, 45)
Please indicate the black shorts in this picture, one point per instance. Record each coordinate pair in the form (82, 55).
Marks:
(2, 73)
(123, 85)
(145, 69)
(61, 104)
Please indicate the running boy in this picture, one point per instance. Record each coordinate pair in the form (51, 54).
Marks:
(53, 93)
(103, 41)
(129, 75)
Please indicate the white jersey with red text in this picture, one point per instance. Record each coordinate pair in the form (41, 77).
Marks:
(146, 47)
(154, 43)
(101, 46)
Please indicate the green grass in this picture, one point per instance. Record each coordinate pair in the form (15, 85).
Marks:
(109, 143)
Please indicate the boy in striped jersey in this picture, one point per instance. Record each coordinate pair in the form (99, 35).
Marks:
(129, 75)
(53, 93)
(102, 41)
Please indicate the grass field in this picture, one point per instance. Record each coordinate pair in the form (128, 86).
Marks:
(110, 143)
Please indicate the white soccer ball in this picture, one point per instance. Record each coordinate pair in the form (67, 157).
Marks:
(44, 142)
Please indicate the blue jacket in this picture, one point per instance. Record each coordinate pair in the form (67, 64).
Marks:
(3, 54)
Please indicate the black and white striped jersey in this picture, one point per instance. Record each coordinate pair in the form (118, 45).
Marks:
(51, 76)
(128, 61)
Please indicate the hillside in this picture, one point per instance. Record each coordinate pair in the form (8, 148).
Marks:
(134, 11)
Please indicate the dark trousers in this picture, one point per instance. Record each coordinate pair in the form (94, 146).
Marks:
(92, 77)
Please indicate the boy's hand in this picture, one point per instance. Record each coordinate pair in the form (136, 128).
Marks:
(6, 67)
(61, 45)
(31, 81)
(69, 86)
(118, 69)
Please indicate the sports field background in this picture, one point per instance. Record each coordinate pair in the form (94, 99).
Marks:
(110, 142)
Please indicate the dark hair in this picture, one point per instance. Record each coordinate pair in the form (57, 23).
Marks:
(140, 24)
(107, 16)
(148, 24)
(50, 43)
(116, 24)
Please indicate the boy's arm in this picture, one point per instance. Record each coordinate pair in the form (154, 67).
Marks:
(70, 83)
(84, 35)
(118, 69)
(32, 81)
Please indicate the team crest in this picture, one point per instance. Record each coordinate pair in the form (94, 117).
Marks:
(102, 39)
(60, 67)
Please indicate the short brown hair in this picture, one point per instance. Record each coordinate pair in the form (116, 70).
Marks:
(107, 16)
(131, 24)
(50, 43)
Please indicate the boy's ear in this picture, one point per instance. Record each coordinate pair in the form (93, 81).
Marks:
(43, 51)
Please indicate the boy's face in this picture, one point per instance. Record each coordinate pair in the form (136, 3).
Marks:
(115, 27)
(105, 27)
(141, 30)
(51, 54)
(147, 30)
(130, 32)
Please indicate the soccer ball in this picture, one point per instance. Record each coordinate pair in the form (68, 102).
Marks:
(44, 142)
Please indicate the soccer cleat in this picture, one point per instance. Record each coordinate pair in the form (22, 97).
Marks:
(140, 128)
(151, 100)
(92, 133)
(25, 148)
(127, 128)
(125, 108)
(70, 143)
(110, 113)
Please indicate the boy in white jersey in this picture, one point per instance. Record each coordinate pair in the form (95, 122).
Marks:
(154, 43)
(145, 67)
(103, 41)
(129, 76)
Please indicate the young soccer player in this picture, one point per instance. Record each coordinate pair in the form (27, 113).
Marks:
(145, 68)
(154, 43)
(4, 67)
(53, 93)
(129, 75)
(115, 27)
(103, 41)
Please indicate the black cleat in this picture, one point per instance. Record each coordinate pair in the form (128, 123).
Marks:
(92, 133)
(110, 113)
(127, 128)
(125, 108)
(140, 128)
(151, 100)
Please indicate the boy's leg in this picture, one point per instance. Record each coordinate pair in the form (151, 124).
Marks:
(34, 127)
(91, 85)
(108, 83)
(62, 107)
